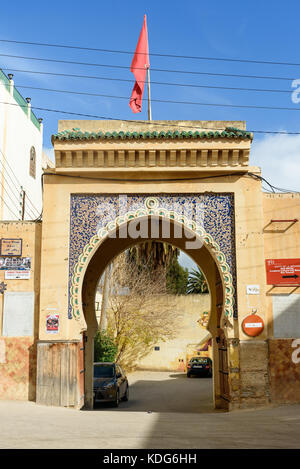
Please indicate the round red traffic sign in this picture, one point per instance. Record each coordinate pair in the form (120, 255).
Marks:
(253, 325)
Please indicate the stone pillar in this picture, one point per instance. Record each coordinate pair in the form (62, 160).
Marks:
(254, 379)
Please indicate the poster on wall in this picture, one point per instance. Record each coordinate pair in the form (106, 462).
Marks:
(17, 274)
(10, 247)
(15, 263)
(16, 268)
(52, 323)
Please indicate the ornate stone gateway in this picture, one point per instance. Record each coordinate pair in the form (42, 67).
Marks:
(116, 184)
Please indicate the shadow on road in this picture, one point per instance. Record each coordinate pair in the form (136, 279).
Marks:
(174, 393)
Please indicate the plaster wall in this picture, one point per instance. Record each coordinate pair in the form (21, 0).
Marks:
(282, 241)
(18, 354)
(17, 135)
(172, 354)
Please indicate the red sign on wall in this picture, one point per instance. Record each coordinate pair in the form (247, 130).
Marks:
(253, 325)
(283, 271)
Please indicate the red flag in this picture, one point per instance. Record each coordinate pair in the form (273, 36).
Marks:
(139, 65)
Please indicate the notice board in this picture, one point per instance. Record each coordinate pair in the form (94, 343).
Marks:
(18, 314)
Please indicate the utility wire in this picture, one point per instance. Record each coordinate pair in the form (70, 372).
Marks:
(191, 103)
(17, 216)
(176, 56)
(6, 161)
(10, 198)
(127, 80)
(124, 67)
(160, 124)
(177, 179)
(125, 97)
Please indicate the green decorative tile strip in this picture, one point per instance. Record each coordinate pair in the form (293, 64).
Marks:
(19, 99)
(77, 134)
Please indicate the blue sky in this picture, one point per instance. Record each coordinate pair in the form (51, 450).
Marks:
(251, 30)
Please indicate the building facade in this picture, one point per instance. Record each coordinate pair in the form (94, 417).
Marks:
(186, 183)
(21, 140)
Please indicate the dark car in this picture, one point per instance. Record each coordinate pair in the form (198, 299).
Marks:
(200, 366)
(110, 383)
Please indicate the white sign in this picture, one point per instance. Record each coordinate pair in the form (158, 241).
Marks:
(252, 289)
(17, 274)
(253, 324)
(18, 314)
(286, 315)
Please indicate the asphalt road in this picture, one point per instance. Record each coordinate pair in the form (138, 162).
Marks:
(165, 410)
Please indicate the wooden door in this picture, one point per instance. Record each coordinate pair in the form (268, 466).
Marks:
(81, 370)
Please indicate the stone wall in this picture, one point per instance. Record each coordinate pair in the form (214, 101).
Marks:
(17, 368)
(284, 371)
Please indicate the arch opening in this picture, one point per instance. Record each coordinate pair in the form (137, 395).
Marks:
(209, 259)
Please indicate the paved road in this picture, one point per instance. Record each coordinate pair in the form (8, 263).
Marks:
(181, 417)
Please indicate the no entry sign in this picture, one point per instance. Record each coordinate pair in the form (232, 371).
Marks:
(283, 271)
(253, 325)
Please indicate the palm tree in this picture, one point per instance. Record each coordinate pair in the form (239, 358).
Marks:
(196, 282)
(153, 253)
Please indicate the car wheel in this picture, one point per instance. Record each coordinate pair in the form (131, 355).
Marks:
(126, 395)
(117, 401)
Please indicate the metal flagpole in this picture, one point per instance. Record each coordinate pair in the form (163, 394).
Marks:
(149, 96)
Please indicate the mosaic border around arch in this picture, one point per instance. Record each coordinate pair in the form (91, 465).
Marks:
(151, 208)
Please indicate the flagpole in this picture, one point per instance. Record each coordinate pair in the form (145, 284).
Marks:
(149, 96)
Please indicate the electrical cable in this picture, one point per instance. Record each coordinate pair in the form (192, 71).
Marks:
(152, 123)
(7, 163)
(153, 54)
(127, 80)
(124, 67)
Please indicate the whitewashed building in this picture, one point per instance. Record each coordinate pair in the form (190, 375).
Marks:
(21, 156)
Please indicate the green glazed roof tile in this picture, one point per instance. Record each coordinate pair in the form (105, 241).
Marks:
(77, 134)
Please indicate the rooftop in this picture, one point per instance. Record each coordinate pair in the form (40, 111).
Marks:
(95, 130)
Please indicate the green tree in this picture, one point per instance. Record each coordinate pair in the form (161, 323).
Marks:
(153, 253)
(105, 349)
(197, 282)
(177, 278)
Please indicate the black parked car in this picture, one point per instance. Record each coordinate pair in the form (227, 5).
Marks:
(201, 366)
(110, 383)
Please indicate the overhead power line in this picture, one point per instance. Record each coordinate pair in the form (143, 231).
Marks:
(101, 95)
(152, 123)
(153, 54)
(185, 85)
(13, 173)
(124, 67)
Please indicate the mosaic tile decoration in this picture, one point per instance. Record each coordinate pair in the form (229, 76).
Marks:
(90, 213)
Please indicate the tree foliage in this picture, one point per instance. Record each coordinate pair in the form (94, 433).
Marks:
(139, 312)
(196, 282)
(105, 350)
(177, 278)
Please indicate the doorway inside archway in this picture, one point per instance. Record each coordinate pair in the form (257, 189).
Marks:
(108, 251)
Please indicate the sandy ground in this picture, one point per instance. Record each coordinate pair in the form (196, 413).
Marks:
(165, 410)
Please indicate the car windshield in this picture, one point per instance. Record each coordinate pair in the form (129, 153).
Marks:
(199, 360)
(104, 371)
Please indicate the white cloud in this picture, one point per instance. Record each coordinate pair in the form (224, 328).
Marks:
(279, 158)
(50, 153)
